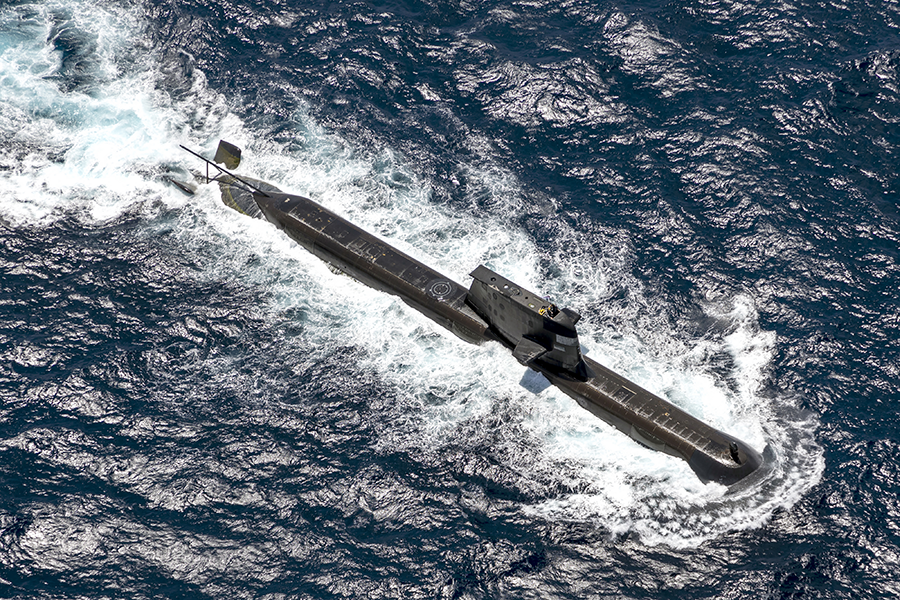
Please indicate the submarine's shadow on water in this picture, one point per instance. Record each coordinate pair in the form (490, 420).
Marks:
(534, 382)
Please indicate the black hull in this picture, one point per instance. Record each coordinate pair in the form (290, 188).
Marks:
(646, 418)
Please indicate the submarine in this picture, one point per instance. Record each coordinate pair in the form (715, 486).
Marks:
(540, 335)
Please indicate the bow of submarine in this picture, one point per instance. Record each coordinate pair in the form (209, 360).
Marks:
(649, 420)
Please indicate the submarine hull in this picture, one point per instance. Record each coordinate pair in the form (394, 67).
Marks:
(643, 416)
(648, 419)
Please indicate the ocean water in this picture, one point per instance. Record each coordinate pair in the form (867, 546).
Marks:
(191, 406)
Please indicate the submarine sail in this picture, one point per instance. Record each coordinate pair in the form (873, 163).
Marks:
(535, 328)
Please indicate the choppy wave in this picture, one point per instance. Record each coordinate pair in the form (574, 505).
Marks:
(213, 379)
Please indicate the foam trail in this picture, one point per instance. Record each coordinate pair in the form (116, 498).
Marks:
(92, 136)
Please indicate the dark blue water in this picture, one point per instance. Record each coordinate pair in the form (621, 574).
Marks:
(193, 407)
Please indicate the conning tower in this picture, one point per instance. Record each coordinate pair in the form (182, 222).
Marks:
(533, 326)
